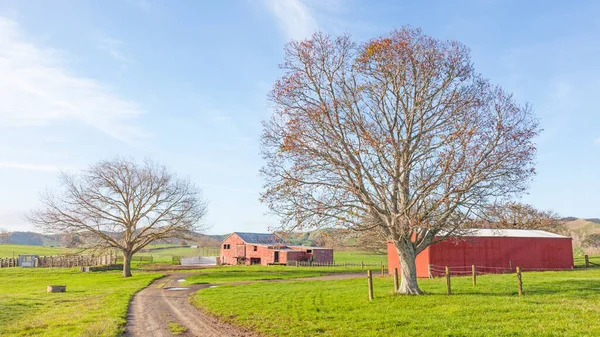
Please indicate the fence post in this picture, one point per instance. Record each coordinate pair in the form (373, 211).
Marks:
(383, 270)
(474, 271)
(448, 287)
(519, 281)
(370, 283)
(587, 261)
(396, 280)
(362, 264)
(429, 270)
(510, 265)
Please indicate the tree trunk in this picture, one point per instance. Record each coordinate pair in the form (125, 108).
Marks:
(127, 264)
(408, 270)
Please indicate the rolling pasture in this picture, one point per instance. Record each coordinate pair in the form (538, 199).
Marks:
(95, 304)
(563, 303)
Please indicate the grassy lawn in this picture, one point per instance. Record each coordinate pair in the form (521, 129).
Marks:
(95, 304)
(555, 304)
(7, 250)
(166, 255)
(358, 257)
(253, 273)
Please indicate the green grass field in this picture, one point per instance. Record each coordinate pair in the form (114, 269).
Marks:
(95, 304)
(253, 273)
(554, 304)
(358, 257)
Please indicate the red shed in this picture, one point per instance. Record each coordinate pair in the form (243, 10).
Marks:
(492, 251)
(258, 248)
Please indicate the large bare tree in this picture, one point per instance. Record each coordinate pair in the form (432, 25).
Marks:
(516, 215)
(398, 134)
(120, 204)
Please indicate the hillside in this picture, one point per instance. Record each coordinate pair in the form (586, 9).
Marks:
(583, 225)
(37, 239)
(32, 239)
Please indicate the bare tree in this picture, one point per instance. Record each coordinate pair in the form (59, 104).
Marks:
(591, 240)
(371, 241)
(517, 215)
(122, 205)
(72, 240)
(4, 234)
(398, 134)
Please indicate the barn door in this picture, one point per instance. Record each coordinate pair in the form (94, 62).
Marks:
(241, 251)
(276, 257)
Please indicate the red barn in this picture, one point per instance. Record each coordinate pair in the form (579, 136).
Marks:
(257, 248)
(492, 251)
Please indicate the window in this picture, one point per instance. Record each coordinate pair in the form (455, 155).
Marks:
(309, 251)
(226, 246)
(255, 248)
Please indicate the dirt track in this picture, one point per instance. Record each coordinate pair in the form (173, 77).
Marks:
(153, 308)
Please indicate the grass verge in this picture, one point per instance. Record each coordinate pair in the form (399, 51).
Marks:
(95, 304)
(358, 257)
(176, 328)
(555, 304)
(226, 274)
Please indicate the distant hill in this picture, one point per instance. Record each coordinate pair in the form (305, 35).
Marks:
(584, 225)
(54, 240)
(32, 239)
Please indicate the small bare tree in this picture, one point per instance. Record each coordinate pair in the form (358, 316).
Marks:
(399, 134)
(119, 204)
(591, 240)
(4, 234)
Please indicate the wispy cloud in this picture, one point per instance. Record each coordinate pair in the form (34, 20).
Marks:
(36, 88)
(597, 141)
(114, 48)
(295, 18)
(32, 167)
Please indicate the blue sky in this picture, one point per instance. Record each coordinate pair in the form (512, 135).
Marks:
(185, 83)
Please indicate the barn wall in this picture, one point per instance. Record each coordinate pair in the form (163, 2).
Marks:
(422, 261)
(262, 252)
(228, 255)
(296, 255)
(322, 255)
(527, 253)
(241, 248)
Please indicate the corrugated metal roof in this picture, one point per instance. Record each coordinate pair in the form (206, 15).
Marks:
(513, 233)
(260, 238)
(309, 247)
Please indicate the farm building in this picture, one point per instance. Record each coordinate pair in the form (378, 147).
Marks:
(492, 251)
(257, 248)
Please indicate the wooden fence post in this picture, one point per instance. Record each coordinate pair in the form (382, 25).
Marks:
(519, 281)
(587, 261)
(383, 270)
(362, 264)
(370, 283)
(448, 287)
(396, 286)
(510, 266)
(474, 271)
(429, 271)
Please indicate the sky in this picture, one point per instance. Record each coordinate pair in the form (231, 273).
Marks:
(185, 83)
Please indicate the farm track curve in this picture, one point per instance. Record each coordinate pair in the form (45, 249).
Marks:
(157, 305)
